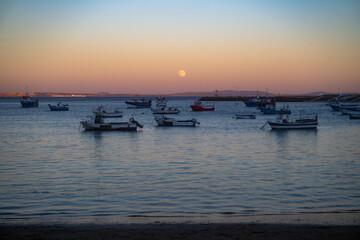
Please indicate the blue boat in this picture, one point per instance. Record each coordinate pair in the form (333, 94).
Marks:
(252, 102)
(284, 110)
(59, 107)
(28, 102)
(138, 103)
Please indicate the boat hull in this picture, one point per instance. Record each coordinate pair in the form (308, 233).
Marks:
(250, 104)
(109, 126)
(28, 104)
(131, 104)
(287, 126)
(201, 108)
(165, 112)
(56, 108)
(170, 110)
(109, 115)
(245, 116)
(170, 122)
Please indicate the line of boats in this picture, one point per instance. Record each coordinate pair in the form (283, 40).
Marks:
(266, 106)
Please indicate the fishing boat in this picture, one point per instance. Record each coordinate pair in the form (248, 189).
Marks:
(301, 123)
(245, 116)
(269, 110)
(59, 107)
(354, 116)
(252, 102)
(337, 106)
(164, 110)
(160, 101)
(171, 122)
(96, 123)
(138, 103)
(199, 106)
(161, 108)
(259, 101)
(105, 114)
(28, 102)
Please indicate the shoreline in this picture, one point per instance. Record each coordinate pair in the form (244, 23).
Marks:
(180, 231)
(317, 218)
(312, 226)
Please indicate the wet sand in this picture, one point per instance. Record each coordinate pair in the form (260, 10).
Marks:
(292, 226)
(180, 231)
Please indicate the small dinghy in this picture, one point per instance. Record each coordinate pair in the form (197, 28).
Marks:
(59, 107)
(171, 122)
(105, 114)
(245, 116)
(97, 124)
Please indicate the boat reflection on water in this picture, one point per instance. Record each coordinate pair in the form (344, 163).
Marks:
(290, 143)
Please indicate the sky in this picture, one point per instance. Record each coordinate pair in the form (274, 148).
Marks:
(139, 46)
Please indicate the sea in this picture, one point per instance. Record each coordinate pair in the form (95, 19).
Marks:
(51, 170)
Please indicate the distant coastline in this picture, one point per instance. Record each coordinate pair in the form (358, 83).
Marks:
(226, 95)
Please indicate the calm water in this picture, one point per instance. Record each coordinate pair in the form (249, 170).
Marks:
(50, 167)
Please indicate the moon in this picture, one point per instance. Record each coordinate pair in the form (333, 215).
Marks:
(182, 73)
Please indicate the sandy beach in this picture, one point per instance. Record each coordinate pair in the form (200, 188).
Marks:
(180, 231)
(293, 226)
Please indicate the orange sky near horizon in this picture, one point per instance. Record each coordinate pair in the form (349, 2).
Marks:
(137, 47)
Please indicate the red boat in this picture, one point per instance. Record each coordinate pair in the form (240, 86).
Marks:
(198, 106)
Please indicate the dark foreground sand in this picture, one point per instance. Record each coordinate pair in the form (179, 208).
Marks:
(179, 231)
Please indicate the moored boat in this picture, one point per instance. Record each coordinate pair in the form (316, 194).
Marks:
(245, 116)
(105, 114)
(172, 122)
(138, 103)
(97, 124)
(199, 106)
(28, 102)
(59, 107)
(301, 123)
(259, 101)
(337, 106)
(164, 110)
(161, 108)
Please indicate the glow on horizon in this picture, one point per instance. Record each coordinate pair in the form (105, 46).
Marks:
(140, 46)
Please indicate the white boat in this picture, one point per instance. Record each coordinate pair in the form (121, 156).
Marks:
(301, 123)
(103, 113)
(164, 110)
(171, 122)
(97, 124)
(245, 116)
